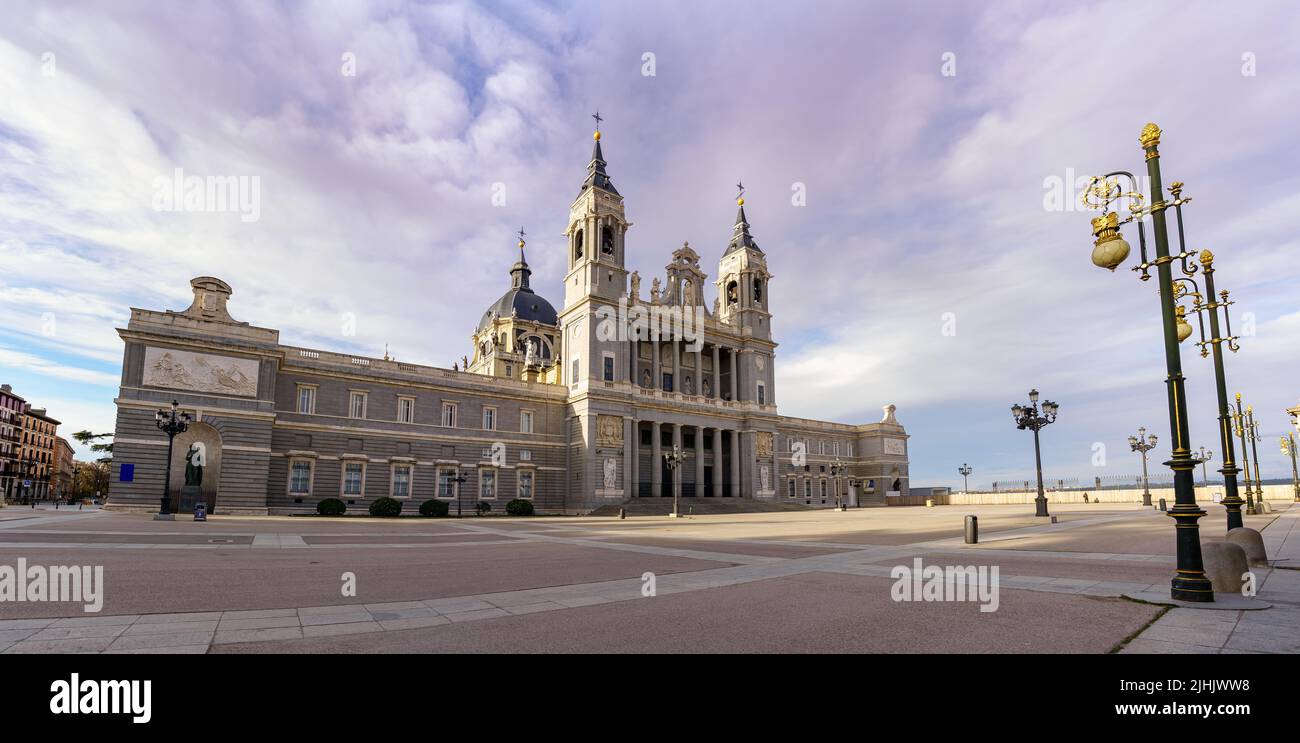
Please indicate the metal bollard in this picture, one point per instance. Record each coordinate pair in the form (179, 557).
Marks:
(622, 513)
(972, 530)
(1163, 507)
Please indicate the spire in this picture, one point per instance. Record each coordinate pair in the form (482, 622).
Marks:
(596, 175)
(520, 272)
(740, 237)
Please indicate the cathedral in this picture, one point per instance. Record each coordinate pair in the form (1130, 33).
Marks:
(614, 397)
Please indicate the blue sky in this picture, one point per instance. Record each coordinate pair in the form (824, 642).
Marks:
(925, 191)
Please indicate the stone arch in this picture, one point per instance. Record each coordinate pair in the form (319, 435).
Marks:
(210, 437)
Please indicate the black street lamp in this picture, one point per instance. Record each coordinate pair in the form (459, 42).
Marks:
(673, 459)
(838, 468)
(170, 422)
(459, 479)
(1110, 250)
(1143, 444)
(1204, 457)
(1030, 417)
(1241, 425)
(964, 470)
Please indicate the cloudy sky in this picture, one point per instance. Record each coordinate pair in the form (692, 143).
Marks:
(927, 137)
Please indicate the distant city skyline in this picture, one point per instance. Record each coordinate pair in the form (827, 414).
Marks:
(917, 204)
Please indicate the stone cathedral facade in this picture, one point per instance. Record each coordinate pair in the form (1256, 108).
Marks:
(552, 406)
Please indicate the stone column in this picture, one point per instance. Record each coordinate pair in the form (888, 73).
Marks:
(677, 442)
(656, 473)
(717, 459)
(699, 371)
(654, 365)
(630, 445)
(699, 461)
(735, 463)
(677, 366)
(630, 374)
(717, 372)
(735, 372)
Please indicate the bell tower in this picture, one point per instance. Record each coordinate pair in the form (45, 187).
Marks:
(596, 230)
(743, 279)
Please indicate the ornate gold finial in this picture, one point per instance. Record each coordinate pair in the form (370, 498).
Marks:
(1238, 397)
(596, 135)
(1207, 258)
(1106, 222)
(521, 238)
(1176, 188)
(1150, 136)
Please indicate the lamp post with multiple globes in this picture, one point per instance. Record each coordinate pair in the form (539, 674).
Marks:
(1109, 251)
(1030, 417)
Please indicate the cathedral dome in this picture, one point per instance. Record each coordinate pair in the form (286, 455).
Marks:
(524, 304)
(520, 302)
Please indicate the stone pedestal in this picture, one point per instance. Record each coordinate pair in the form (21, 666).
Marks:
(191, 495)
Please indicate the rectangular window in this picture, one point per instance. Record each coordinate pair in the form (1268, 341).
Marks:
(790, 489)
(401, 481)
(406, 410)
(762, 395)
(807, 488)
(446, 482)
(526, 421)
(823, 490)
(837, 448)
(668, 382)
(526, 484)
(525, 455)
(300, 477)
(352, 474)
(510, 370)
(357, 405)
(489, 419)
(306, 400)
(449, 414)
(609, 369)
(487, 484)
(576, 368)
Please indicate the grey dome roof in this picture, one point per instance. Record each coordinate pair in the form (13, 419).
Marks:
(525, 303)
(520, 301)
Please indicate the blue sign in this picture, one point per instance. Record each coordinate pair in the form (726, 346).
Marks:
(127, 473)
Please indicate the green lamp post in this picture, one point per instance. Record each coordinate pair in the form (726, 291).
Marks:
(1110, 249)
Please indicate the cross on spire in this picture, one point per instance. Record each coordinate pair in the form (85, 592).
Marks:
(598, 119)
(740, 186)
(521, 236)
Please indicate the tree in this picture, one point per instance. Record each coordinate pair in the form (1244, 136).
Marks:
(91, 478)
(86, 438)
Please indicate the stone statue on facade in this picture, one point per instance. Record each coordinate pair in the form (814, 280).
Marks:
(654, 291)
(195, 459)
(530, 353)
(636, 287)
(611, 473)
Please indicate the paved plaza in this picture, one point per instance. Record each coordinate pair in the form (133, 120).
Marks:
(815, 581)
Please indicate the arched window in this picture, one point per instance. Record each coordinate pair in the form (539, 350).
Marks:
(577, 246)
(733, 292)
(606, 240)
(758, 291)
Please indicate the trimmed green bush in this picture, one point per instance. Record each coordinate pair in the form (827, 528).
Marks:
(519, 507)
(483, 507)
(331, 507)
(436, 508)
(386, 507)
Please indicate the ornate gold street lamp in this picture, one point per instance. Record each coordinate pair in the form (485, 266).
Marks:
(1241, 424)
(1110, 249)
(1288, 448)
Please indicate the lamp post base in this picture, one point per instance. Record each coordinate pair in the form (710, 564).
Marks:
(1040, 506)
(1146, 498)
